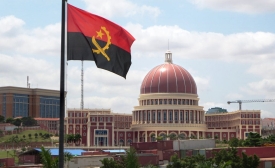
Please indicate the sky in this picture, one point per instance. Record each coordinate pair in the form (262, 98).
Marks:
(228, 47)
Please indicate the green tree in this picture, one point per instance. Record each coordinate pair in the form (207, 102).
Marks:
(77, 138)
(253, 139)
(173, 136)
(227, 155)
(24, 136)
(109, 163)
(30, 136)
(234, 142)
(17, 122)
(9, 120)
(28, 121)
(67, 157)
(2, 119)
(131, 159)
(250, 161)
(36, 135)
(47, 160)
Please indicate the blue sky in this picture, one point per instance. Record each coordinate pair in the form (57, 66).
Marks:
(228, 47)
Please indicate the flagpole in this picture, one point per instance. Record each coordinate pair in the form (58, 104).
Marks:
(62, 89)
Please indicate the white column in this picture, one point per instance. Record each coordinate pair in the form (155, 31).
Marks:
(145, 136)
(198, 135)
(138, 137)
(113, 134)
(88, 134)
(184, 117)
(161, 116)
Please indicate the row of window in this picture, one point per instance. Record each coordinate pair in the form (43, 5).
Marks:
(49, 107)
(218, 118)
(78, 121)
(168, 101)
(78, 114)
(167, 116)
(4, 105)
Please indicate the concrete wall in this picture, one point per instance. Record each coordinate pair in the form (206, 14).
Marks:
(193, 144)
(87, 161)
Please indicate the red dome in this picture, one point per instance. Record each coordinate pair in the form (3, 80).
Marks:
(168, 78)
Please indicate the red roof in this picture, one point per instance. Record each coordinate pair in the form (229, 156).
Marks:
(168, 78)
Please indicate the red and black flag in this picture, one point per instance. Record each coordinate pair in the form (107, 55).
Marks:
(91, 37)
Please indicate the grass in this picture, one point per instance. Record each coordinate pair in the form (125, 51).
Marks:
(26, 133)
(8, 154)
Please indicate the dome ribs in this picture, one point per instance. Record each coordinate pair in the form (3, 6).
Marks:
(162, 85)
(168, 78)
(155, 80)
(172, 80)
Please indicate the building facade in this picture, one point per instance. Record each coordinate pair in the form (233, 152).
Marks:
(34, 102)
(168, 104)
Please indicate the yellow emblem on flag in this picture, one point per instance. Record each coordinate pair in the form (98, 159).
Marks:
(99, 49)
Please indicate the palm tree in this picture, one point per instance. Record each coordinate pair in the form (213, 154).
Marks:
(47, 160)
(77, 138)
(173, 136)
(67, 157)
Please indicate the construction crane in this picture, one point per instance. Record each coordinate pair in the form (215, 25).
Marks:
(250, 101)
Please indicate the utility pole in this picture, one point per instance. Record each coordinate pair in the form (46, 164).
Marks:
(82, 101)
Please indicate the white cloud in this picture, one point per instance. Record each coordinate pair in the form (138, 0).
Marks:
(15, 69)
(243, 6)
(242, 47)
(234, 96)
(121, 8)
(13, 37)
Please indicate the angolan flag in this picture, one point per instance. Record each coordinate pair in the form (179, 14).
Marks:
(94, 38)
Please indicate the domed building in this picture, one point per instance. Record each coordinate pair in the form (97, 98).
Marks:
(168, 104)
(168, 107)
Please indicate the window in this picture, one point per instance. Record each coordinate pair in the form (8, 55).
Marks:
(148, 102)
(152, 102)
(176, 115)
(154, 116)
(179, 101)
(181, 115)
(148, 113)
(170, 101)
(159, 114)
(170, 115)
(164, 115)
(187, 115)
(93, 119)
(101, 119)
(156, 101)
(160, 101)
(174, 101)
(165, 101)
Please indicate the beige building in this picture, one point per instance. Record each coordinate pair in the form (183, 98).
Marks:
(34, 102)
(168, 104)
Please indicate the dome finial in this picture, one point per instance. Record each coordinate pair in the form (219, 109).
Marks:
(168, 56)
